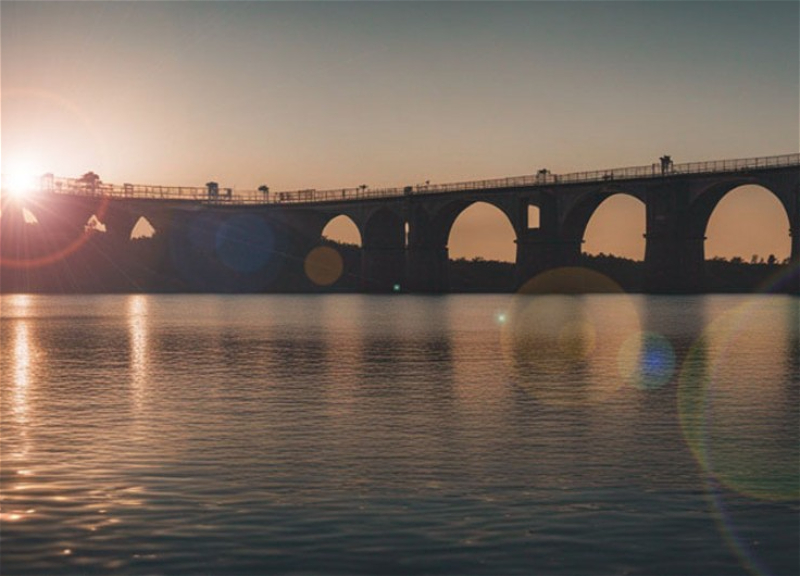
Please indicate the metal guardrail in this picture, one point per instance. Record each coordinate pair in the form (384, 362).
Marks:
(227, 196)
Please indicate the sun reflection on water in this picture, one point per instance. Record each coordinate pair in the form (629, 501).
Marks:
(138, 334)
(22, 369)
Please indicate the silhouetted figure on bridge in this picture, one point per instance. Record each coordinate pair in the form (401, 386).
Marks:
(264, 189)
(213, 190)
(542, 176)
(666, 164)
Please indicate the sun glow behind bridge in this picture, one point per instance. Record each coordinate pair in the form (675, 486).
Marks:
(20, 178)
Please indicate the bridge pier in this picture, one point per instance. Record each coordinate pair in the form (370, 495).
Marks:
(794, 259)
(674, 265)
(427, 256)
(674, 259)
(119, 223)
(383, 252)
(537, 253)
(382, 269)
(427, 269)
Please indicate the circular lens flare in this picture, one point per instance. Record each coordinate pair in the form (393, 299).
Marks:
(324, 265)
(646, 360)
(734, 400)
(560, 346)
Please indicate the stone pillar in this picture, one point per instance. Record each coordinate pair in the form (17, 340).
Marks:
(382, 268)
(383, 252)
(793, 281)
(674, 253)
(119, 224)
(427, 269)
(538, 251)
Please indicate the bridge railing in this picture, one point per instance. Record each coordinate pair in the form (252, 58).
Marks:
(543, 178)
(82, 187)
(546, 178)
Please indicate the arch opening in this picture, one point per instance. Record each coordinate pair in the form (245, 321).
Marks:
(143, 229)
(747, 241)
(335, 262)
(482, 250)
(617, 228)
(748, 225)
(342, 230)
(29, 217)
(614, 239)
(534, 217)
(93, 224)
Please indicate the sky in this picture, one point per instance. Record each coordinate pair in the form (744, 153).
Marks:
(338, 94)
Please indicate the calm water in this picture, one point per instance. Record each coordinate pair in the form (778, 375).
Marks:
(367, 434)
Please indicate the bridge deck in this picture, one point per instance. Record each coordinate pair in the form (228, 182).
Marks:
(81, 187)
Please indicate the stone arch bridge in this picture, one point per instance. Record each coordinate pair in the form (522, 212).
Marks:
(405, 230)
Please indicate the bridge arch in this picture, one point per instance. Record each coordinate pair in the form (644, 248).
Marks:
(480, 230)
(142, 228)
(705, 203)
(577, 218)
(760, 215)
(617, 228)
(333, 258)
(481, 233)
(343, 229)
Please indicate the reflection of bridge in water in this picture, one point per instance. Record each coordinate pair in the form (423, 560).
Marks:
(404, 230)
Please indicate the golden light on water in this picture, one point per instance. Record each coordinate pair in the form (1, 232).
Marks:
(138, 335)
(20, 301)
(22, 370)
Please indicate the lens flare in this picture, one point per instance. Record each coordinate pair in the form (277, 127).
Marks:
(738, 534)
(734, 417)
(324, 265)
(245, 243)
(646, 360)
(785, 280)
(561, 347)
(59, 231)
(20, 178)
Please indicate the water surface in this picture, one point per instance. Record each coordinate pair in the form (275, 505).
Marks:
(606, 434)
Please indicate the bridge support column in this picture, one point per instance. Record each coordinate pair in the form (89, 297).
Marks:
(674, 265)
(537, 253)
(427, 269)
(794, 259)
(382, 269)
(674, 257)
(119, 224)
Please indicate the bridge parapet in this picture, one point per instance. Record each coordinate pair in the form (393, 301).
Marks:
(543, 178)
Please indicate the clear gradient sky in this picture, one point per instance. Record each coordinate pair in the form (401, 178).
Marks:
(334, 94)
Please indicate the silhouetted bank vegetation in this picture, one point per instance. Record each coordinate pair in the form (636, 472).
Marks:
(722, 276)
(479, 275)
(103, 265)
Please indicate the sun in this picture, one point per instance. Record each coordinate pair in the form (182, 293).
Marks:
(20, 179)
